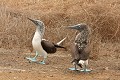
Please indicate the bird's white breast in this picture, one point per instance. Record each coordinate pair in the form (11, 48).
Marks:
(36, 42)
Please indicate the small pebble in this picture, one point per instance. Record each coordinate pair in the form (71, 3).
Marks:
(106, 68)
(51, 75)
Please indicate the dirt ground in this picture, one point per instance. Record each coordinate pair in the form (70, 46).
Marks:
(14, 66)
(102, 16)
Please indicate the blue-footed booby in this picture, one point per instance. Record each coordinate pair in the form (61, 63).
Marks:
(40, 45)
(80, 47)
(36, 41)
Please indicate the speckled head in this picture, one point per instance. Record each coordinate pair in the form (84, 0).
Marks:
(79, 27)
(38, 23)
(40, 27)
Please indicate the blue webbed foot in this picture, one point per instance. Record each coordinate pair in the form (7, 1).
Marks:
(73, 69)
(42, 62)
(31, 59)
(85, 70)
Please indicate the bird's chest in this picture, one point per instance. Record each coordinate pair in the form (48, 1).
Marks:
(36, 40)
(80, 41)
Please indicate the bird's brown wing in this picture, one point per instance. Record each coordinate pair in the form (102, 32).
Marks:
(79, 54)
(75, 51)
(48, 46)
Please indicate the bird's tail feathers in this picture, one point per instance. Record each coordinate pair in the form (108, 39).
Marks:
(58, 46)
(58, 43)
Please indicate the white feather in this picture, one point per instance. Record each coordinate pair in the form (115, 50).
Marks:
(61, 41)
(83, 62)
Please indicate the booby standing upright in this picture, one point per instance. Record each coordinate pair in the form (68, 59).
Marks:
(80, 47)
(36, 41)
(42, 46)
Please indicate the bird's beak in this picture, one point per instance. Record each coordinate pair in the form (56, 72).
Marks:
(34, 21)
(72, 27)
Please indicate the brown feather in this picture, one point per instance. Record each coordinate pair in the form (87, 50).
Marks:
(50, 47)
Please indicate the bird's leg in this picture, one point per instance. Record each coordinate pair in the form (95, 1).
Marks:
(34, 58)
(36, 55)
(75, 68)
(45, 57)
(85, 68)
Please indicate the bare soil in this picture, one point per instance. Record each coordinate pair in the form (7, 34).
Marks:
(14, 66)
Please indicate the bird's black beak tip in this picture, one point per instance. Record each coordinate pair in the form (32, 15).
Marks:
(29, 19)
(34, 21)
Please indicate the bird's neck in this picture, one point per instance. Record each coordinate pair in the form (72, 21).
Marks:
(82, 36)
(85, 33)
(40, 32)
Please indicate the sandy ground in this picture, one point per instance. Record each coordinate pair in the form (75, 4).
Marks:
(14, 66)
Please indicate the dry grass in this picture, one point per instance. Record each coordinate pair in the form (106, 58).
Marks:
(101, 15)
